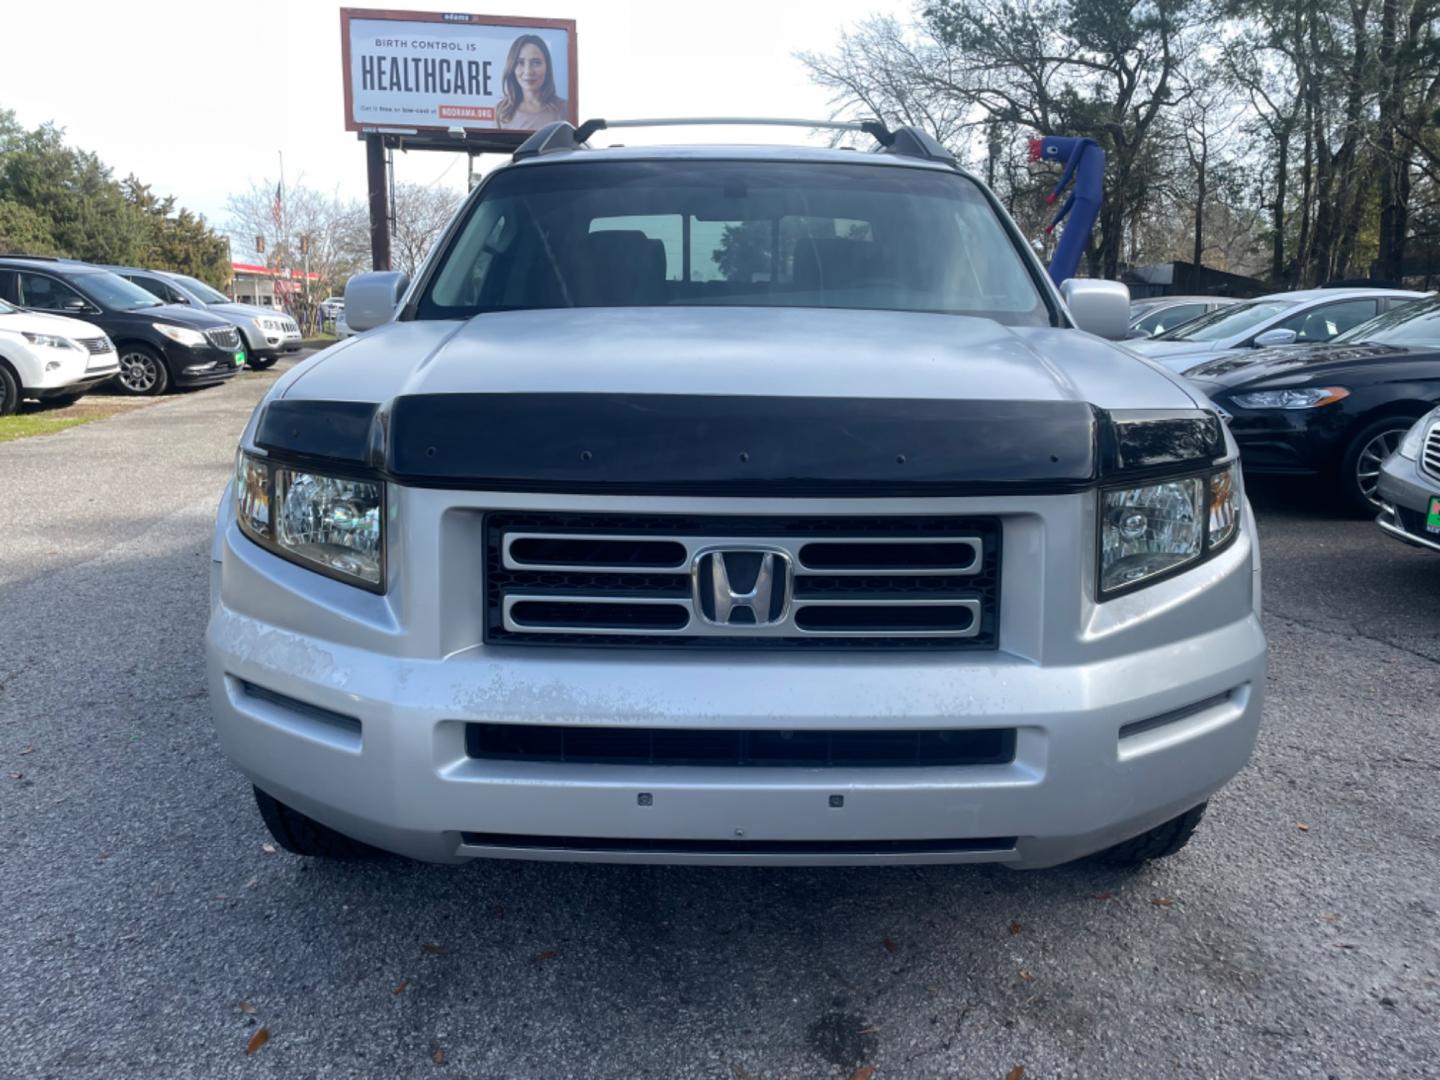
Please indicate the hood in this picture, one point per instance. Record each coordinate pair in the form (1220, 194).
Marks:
(1253, 365)
(1174, 355)
(182, 314)
(245, 311)
(793, 352)
(736, 400)
(38, 322)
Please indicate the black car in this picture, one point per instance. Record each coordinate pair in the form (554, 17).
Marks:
(1332, 411)
(160, 345)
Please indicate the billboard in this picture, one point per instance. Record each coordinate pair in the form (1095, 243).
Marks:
(440, 70)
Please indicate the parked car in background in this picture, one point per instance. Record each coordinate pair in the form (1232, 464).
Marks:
(1409, 487)
(342, 328)
(1155, 316)
(267, 334)
(1308, 317)
(50, 358)
(1333, 411)
(160, 346)
(331, 307)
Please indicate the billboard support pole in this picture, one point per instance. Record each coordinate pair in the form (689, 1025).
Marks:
(375, 172)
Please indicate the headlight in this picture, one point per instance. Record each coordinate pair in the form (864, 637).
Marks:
(332, 524)
(1311, 397)
(1410, 444)
(53, 341)
(1151, 531)
(182, 335)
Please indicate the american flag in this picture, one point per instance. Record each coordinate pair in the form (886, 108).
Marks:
(277, 209)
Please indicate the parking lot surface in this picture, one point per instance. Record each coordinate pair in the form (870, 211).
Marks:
(150, 930)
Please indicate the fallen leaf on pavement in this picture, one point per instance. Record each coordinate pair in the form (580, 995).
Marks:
(252, 883)
(438, 1056)
(17, 776)
(269, 849)
(864, 1072)
(1106, 895)
(1027, 976)
(247, 1008)
(1302, 826)
(1017, 1073)
(1015, 928)
(1163, 901)
(259, 1039)
(28, 750)
(890, 946)
(548, 954)
(400, 987)
(435, 950)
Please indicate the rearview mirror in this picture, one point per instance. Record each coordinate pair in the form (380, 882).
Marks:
(1098, 307)
(1275, 337)
(371, 299)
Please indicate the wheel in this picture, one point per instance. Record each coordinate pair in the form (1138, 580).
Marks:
(1360, 465)
(303, 835)
(9, 391)
(260, 363)
(1159, 842)
(142, 372)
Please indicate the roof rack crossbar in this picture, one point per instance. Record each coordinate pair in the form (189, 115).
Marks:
(906, 141)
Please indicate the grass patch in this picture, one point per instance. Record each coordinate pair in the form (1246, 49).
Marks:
(22, 425)
(39, 419)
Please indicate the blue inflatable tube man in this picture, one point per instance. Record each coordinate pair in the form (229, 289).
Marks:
(1085, 166)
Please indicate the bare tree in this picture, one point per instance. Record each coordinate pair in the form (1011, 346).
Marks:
(333, 233)
(421, 214)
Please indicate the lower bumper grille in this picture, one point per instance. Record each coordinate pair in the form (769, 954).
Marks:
(705, 581)
(763, 748)
(739, 847)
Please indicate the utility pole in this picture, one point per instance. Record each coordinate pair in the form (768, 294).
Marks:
(375, 173)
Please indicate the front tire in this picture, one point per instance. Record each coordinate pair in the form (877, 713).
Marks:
(1157, 843)
(9, 391)
(1360, 464)
(142, 372)
(261, 363)
(302, 835)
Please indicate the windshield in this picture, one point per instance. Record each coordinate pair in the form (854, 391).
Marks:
(196, 287)
(1417, 323)
(730, 233)
(112, 291)
(1228, 322)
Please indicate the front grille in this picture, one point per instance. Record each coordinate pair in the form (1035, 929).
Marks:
(558, 744)
(1430, 453)
(664, 845)
(97, 345)
(922, 582)
(224, 337)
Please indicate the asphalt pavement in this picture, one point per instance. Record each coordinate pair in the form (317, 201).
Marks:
(149, 929)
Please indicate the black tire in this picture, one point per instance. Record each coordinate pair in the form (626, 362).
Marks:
(260, 363)
(1360, 464)
(303, 835)
(142, 372)
(1157, 843)
(9, 391)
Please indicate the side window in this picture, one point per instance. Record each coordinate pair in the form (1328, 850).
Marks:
(1170, 317)
(47, 294)
(159, 289)
(1323, 323)
(8, 289)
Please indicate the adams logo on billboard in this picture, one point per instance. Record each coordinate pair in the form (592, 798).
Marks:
(438, 70)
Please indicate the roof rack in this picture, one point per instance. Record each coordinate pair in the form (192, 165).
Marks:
(906, 141)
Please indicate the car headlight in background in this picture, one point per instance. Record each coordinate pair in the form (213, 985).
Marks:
(181, 335)
(52, 341)
(1152, 530)
(1410, 445)
(332, 524)
(1311, 397)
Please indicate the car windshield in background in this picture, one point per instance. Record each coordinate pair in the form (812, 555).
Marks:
(112, 291)
(728, 233)
(198, 288)
(1415, 324)
(1227, 322)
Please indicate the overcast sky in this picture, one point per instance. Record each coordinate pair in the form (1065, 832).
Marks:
(199, 97)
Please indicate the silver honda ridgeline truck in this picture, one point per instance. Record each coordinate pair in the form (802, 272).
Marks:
(735, 505)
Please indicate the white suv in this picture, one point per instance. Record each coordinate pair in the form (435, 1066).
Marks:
(50, 357)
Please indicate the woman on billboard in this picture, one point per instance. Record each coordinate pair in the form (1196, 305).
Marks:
(530, 100)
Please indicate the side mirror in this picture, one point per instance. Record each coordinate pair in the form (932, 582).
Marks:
(1275, 337)
(1098, 307)
(371, 299)
(74, 305)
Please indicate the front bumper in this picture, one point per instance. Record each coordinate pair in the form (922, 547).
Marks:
(1405, 495)
(200, 366)
(58, 372)
(353, 709)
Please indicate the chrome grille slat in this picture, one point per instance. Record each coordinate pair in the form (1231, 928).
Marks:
(651, 595)
(1430, 454)
(224, 337)
(97, 345)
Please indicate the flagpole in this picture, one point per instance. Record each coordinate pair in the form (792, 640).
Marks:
(284, 238)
